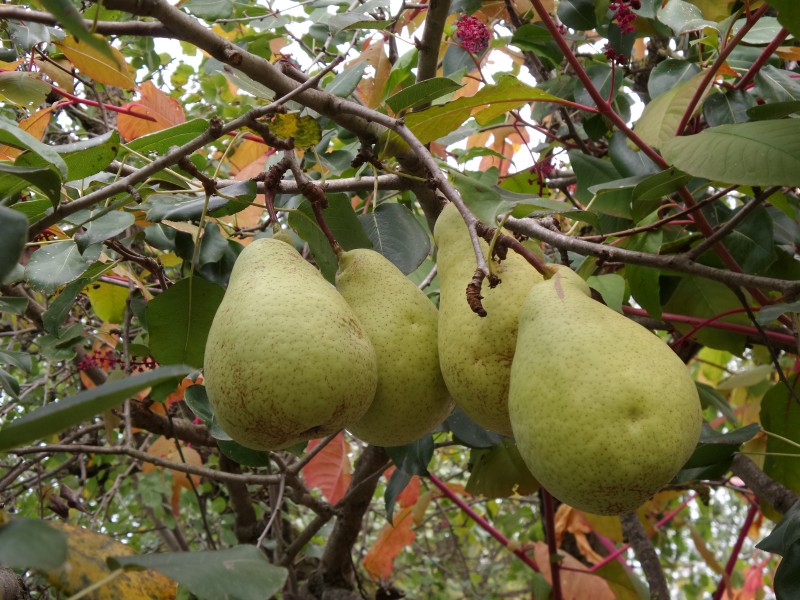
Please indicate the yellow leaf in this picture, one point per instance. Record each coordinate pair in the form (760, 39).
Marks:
(86, 564)
(108, 300)
(93, 63)
(168, 449)
(788, 52)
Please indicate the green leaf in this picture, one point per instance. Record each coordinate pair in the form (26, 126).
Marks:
(602, 77)
(703, 298)
(780, 414)
(714, 446)
(210, 10)
(763, 153)
(611, 287)
(535, 38)
(16, 358)
(70, 19)
(648, 193)
(45, 178)
(500, 472)
(752, 243)
(347, 81)
(768, 112)
(343, 223)
(577, 14)
(669, 73)
(238, 573)
(788, 15)
(178, 321)
(396, 233)
(682, 17)
(354, 20)
(731, 106)
(31, 544)
(161, 141)
(180, 207)
(34, 209)
(468, 433)
(59, 308)
(11, 304)
(711, 397)
(83, 158)
(777, 85)
(14, 136)
(9, 385)
(53, 265)
(785, 535)
(590, 171)
(13, 235)
(421, 93)
(196, 399)
(771, 312)
(397, 483)
(103, 228)
(58, 416)
(509, 93)
(23, 89)
(660, 119)
(413, 458)
(241, 455)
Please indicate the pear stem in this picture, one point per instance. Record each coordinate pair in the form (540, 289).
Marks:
(316, 197)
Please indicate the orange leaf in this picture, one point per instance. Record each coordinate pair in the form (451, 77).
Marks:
(410, 495)
(167, 449)
(379, 561)
(155, 104)
(36, 125)
(179, 392)
(246, 154)
(788, 52)
(570, 520)
(329, 471)
(97, 65)
(577, 583)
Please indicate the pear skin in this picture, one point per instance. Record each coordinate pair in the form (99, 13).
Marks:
(475, 352)
(401, 322)
(286, 358)
(604, 412)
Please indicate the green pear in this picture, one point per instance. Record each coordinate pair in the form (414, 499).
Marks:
(401, 322)
(286, 358)
(475, 353)
(604, 413)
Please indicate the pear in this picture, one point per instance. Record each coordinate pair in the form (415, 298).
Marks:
(475, 352)
(604, 413)
(401, 322)
(286, 358)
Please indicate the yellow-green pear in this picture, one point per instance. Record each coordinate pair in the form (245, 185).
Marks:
(604, 413)
(475, 352)
(286, 358)
(401, 322)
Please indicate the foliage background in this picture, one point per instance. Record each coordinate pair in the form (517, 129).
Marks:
(131, 179)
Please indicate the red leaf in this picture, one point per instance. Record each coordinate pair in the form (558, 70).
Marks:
(165, 110)
(329, 471)
(379, 561)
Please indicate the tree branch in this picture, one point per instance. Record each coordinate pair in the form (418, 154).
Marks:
(679, 264)
(769, 491)
(430, 44)
(646, 553)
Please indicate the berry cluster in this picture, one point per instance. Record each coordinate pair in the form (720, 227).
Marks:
(473, 35)
(612, 55)
(624, 15)
(107, 359)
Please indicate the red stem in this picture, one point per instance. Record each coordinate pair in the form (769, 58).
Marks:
(782, 338)
(482, 523)
(712, 71)
(552, 544)
(729, 566)
(745, 81)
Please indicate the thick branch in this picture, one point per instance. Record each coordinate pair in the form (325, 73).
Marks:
(337, 562)
(431, 39)
(767, 489)
(140, 28)
(646, 553)
(678, 264)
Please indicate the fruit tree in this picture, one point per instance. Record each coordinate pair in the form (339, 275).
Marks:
(374, 299)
